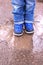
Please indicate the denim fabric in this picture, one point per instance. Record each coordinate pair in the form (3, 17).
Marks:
(23, 10)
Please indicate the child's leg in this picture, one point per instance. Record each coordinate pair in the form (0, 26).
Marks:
(29, 17)
(18, 13)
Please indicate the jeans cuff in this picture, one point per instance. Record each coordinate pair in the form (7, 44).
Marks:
(21, 22)
(26, 21)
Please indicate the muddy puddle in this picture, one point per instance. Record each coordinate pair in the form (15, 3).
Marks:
(24, 50)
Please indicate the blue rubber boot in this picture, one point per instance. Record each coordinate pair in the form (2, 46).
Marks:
(18, 29)
(29, 28)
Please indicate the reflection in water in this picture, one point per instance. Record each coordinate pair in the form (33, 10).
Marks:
(5, 32)
(38, 34)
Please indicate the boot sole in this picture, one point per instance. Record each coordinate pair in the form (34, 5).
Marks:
(18, 35)
(29, 32)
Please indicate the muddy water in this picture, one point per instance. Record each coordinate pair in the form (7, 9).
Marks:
(14, 50)
(18, 51)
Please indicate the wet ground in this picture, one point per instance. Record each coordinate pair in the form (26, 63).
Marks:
(18, 50)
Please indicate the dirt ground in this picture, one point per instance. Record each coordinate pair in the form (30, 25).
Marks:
(17, 50)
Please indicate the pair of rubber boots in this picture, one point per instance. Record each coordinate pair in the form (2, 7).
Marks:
(18, 29)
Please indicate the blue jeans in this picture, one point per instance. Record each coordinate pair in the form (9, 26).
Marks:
(23, 11)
